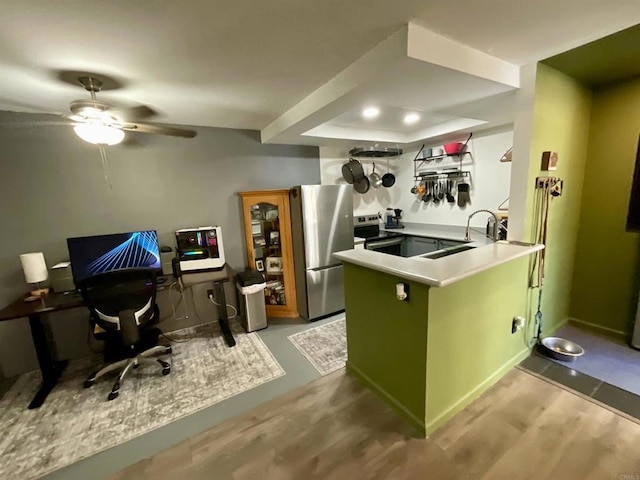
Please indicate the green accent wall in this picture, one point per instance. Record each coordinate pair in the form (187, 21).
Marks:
(387, 339)
(561, 119)
(431, 356)
(605, 277)
(470, 344)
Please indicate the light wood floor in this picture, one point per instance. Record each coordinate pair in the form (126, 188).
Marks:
(333, 428)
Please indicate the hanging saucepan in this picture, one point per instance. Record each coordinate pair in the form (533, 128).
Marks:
(352, 171)
(362, 185)
(374, 178)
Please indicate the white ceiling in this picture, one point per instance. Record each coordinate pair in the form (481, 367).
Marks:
(243, 64)
(413, 69)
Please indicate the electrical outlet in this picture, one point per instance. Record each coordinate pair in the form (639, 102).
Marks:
(210, 293)
(517, 323)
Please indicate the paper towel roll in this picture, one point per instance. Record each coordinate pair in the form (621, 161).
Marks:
(34, 267)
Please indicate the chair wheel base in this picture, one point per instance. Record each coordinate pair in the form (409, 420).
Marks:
(166, 371)
(112, 395)
(88, 383)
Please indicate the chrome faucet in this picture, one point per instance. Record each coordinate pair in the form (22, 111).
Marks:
(496, 224)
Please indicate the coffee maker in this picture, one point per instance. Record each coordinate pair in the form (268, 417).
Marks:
(392, 218)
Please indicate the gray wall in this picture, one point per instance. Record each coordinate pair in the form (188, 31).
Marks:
(53, 186)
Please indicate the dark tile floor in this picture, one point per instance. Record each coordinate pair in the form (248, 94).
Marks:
(611, 395)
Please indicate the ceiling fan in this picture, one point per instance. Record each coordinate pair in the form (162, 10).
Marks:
(102, 124)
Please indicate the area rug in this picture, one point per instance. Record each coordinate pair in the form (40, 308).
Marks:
(324, 346)
(75, 423)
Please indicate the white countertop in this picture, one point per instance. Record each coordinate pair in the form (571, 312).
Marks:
(446, 270)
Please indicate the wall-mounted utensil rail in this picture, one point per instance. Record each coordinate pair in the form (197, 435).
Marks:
(442, 175)
(421, 163)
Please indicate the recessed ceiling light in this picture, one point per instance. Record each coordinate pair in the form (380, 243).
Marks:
(371, 112)
(411, 118)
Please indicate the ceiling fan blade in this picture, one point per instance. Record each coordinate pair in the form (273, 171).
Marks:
(36, 124)
(139, 112)
(159, 129)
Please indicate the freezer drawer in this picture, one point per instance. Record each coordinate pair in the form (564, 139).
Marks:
(325, 292)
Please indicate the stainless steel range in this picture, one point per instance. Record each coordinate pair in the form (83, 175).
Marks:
(368, 227)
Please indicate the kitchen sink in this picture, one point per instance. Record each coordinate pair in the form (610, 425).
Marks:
(447, 251)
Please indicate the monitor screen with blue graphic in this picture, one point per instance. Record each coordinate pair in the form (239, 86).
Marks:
(104, 253)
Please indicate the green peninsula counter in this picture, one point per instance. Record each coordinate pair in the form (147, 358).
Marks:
(433, 354)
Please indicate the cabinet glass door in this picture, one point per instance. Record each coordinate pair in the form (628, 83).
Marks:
(267, 250)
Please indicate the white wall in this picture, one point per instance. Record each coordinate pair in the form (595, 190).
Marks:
(489, 182)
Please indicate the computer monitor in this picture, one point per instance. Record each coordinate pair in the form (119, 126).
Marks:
(104, 253)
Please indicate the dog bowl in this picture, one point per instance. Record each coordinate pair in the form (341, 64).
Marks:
(561, 349)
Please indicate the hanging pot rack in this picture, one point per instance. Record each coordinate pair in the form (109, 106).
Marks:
(375, 152)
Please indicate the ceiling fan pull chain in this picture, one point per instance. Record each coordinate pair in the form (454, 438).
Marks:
(105, 169)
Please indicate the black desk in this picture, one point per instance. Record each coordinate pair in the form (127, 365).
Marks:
(50, 367)
(219, 278)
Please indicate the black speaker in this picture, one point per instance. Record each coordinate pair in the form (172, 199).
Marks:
(633, 217)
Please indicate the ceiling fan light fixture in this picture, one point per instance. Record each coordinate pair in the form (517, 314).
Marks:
(99, 133)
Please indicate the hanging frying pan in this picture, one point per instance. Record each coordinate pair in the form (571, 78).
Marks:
(374, 178)
(362, 185)
(388, 179)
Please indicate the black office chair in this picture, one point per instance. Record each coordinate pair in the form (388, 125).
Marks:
(122, 304)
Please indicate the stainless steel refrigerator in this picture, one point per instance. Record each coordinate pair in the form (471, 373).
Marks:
(322, 224)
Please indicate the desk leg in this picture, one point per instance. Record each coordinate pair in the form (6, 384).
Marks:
(50, 368)
(223, 319)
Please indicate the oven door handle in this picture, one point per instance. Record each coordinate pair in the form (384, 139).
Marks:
(383, 243)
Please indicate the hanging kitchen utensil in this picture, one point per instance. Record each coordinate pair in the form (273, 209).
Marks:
(414, 189)
(441, 189)
(388, 179)
(347, 173)
(352, 171)
(450, 197)
(374, 178)
(362, 185)
(427, 194)
(436, 193)
(463, 194)
(422, 188)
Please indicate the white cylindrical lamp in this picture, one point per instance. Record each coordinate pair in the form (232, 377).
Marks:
(35, 270)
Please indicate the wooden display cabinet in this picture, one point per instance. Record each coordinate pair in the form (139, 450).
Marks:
(267, 226)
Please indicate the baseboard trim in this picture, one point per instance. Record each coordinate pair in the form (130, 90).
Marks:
(599, 328)
(463, 402)
(557, 327)
(409, 416)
